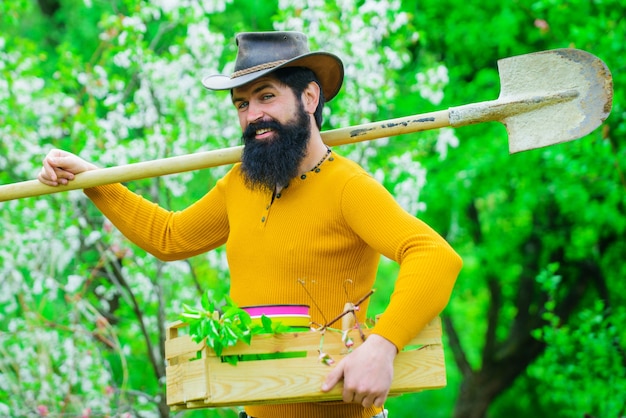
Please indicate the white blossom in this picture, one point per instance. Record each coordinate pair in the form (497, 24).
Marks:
(74, 282)
(123, 58)
(430, 84)
(446, 138)
(410, 178)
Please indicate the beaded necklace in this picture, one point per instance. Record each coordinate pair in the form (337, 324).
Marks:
(317, 166)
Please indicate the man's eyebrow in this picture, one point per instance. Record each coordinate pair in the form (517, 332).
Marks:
(256, 90)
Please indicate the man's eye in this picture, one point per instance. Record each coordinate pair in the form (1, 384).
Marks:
(267, 96)
(242, 105)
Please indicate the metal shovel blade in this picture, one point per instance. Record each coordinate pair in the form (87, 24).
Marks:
(576, 87)
(545, 98)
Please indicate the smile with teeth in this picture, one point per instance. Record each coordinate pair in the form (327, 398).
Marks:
(263, 131)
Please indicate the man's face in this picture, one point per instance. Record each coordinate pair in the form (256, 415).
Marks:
(276, 131)
(263, 100)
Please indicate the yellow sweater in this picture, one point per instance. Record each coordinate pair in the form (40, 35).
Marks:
(326, 230)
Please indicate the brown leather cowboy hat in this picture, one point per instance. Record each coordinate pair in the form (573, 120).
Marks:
(263, 52)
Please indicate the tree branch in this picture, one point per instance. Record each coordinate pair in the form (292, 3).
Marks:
(493, 312)
(457, 350)
(157, 366)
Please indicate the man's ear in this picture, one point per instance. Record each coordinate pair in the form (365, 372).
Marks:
(311, 97)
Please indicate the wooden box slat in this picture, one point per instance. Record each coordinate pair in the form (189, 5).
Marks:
(208, 382)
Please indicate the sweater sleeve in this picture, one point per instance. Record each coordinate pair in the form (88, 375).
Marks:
(165, 234)
(428, 265)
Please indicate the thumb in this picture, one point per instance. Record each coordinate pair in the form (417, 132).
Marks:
(333, 377)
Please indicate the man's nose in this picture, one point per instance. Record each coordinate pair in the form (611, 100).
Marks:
(255, 113)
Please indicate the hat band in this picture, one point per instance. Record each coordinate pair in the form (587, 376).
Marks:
(257, 68)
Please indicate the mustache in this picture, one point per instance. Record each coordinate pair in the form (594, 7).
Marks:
(250, 131)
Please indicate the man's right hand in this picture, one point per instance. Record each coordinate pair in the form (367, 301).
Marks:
(60, 167)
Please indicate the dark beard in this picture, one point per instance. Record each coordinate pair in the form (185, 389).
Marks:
(271, 163)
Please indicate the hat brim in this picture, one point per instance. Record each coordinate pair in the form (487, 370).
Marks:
(327, 67)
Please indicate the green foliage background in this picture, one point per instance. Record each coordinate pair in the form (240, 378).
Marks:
(535, 325)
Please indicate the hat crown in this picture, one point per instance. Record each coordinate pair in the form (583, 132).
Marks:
(257, 49)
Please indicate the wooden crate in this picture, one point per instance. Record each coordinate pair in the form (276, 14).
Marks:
(196, 378)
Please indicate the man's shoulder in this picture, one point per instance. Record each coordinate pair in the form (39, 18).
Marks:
(346, 167)
(232, 178)
(347, 174)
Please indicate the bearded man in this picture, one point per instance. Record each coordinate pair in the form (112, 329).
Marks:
(294, 211)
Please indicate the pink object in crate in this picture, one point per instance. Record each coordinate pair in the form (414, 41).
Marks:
(277, 310)
(289, 315)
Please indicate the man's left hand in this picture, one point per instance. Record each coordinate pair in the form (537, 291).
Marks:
(367, 372)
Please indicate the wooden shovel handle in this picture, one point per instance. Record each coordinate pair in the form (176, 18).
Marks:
(571, 82)
(207, 159)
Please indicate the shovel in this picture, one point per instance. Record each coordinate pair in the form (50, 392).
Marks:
(546, 98)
